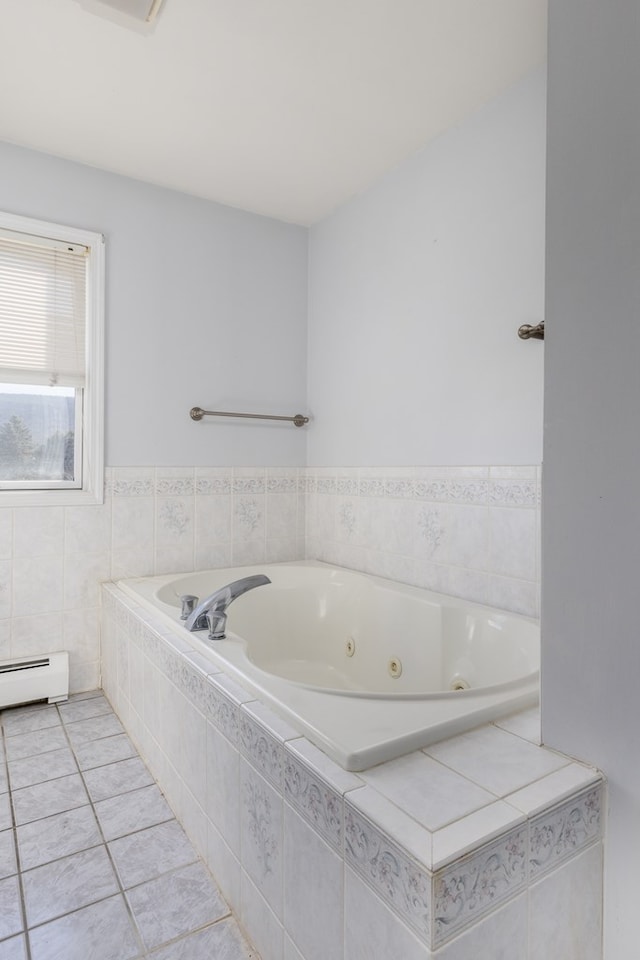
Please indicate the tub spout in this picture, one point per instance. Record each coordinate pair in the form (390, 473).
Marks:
(212, 612)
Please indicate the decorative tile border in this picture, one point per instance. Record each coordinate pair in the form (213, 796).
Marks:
(371, 487)
(436, 906)
(317, 803)
(327, 485)
(438, 490)
(347, 486)
(399, 488)
(468, 491)
(216, 486)
(505, 492)
(342, 524)
(565, 831)
(174, 486)
(432, 544)
(282, 484)
(478, 884)
(513, 493)
(249, 485)
(192, 683)
(168, 660)
(264, 752)
(222, 712)
(133, 487)
(391, 873)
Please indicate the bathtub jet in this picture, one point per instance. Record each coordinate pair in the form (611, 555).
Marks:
(365, 668)
(212, 612)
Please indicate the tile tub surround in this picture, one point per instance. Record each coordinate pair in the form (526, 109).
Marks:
(469, 531)
(466, 849)
(472, 531)
(153, 520)
(92, 860)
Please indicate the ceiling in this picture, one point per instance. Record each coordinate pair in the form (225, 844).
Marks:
(282, 107)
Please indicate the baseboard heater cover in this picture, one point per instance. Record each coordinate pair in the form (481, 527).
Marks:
(26, 679)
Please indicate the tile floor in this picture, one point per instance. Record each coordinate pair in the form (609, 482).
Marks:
(93, 864)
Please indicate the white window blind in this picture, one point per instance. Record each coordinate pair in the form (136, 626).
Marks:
(43, 310)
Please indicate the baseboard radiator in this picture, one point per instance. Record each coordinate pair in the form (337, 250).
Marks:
(27, 679)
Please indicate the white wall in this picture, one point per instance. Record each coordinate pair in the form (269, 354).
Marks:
(591, 507)
(417, 288)
(206, 306)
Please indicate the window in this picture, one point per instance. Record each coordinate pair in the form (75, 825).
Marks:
(51, 359)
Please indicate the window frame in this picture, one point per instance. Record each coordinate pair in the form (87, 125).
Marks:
(92, 394)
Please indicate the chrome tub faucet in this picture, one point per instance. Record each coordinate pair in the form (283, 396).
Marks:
(212, 612)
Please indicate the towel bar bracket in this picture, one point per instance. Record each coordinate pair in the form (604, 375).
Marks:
(528, 332)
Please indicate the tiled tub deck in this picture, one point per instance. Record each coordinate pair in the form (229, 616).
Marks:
(482, 847)
(93, 864)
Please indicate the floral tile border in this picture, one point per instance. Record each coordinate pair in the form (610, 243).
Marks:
(476, 885)
(187, 481)
(143, 487)
(347, 486)
(437, 906)
(498, 491)
(213, 485)
(399, 488)
(391, 873)
(174, 486)
(192, 683)
(316, 802)
(433, 490)
(249, 485)
(327, 485)
(263, 750)
(469, 491)
(480, 492)
(371, 487)
(222, 711)
(282, 484)
(560, 834)
(307, 484)
(513, 493)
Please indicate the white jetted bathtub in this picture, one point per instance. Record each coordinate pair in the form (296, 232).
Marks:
(366, 668)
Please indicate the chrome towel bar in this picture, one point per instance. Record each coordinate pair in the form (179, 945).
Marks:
(197, 413)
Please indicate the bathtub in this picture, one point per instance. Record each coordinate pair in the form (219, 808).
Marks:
(365, 668)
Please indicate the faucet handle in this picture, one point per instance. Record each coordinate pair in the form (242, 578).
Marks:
(217, 621)
(189, 603)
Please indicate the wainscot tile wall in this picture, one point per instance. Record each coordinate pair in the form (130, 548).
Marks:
(483, 846)
(469, 531)
(154, 520)
(472, 532)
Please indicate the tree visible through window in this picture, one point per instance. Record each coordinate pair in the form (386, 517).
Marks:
(37, 435)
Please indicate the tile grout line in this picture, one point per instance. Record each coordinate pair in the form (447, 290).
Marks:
(104, 843)
(138, 935)
(14, 830)
(143, 954)
(28, 928)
